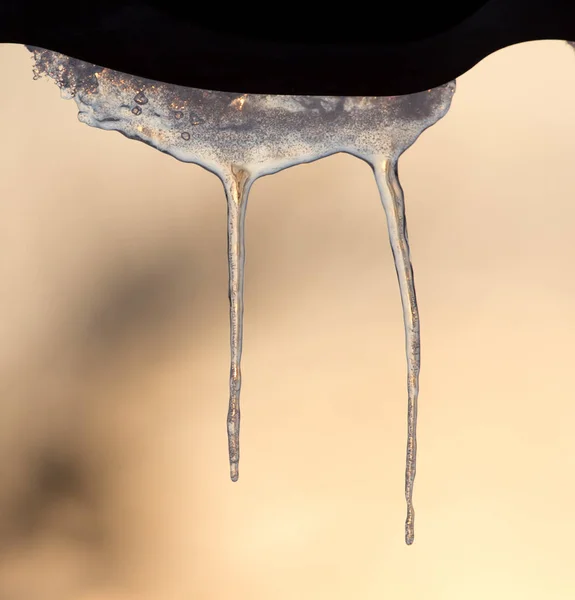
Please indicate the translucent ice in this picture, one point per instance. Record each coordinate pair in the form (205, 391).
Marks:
(240, 137)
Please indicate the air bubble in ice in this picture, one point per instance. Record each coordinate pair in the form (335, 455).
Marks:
(140, 98)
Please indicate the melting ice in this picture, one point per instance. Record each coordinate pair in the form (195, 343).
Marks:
(240, 137)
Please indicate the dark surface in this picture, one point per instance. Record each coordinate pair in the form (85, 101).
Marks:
(361, 49)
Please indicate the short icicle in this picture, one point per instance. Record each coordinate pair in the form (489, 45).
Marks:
(237, 183)
(393, 204)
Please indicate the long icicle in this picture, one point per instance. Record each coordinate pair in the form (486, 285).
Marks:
(237, 184)
(392, 199)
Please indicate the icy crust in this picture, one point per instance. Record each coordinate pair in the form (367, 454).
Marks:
(262, 133)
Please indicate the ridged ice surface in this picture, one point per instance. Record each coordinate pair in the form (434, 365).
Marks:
(241, 137)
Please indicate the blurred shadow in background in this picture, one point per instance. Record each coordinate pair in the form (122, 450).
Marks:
(114, 360)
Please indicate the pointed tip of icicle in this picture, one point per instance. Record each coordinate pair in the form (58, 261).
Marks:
(409, 527)
(234, 472)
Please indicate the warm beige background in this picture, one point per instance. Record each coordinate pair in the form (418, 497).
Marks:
(114, 361)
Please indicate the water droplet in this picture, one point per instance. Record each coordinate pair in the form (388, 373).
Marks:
(178, 114)
(140, 98)
(137, 110)
(185, 135)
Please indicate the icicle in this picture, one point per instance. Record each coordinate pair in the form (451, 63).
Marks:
(237, 184)
(241, 137)
(393, 204)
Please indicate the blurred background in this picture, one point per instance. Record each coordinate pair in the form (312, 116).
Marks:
(114, 352)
